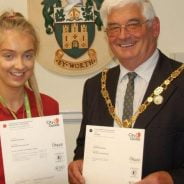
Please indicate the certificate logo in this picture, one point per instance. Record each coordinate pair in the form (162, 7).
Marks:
(135, 136)
(59, 157)
(134, 172)
(134, 160)
(53, 123)
(59, 168)
(57, 145)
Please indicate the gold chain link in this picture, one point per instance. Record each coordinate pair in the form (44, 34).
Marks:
(156, 93)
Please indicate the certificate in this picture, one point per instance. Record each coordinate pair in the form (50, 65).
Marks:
(34, 150)
(113, 155)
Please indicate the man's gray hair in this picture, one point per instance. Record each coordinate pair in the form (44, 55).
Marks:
(147, 8)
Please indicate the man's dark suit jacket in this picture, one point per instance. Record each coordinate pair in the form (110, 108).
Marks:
(164, 123)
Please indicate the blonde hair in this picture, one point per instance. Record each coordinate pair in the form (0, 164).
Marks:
(11, 20)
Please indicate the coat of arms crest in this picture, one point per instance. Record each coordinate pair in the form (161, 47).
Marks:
(76, 26)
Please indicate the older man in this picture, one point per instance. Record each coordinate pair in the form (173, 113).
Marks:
(158, 99)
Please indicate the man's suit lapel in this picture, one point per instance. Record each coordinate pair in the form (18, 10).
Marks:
(161, 72)
(112, 81)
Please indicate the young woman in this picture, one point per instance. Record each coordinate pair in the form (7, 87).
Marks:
(19, 95)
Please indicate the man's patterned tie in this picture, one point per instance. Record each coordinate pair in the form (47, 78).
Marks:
(129, 96)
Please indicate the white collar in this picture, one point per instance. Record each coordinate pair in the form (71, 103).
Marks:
(144, 70)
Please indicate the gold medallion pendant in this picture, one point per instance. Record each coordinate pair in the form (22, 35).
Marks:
(158, 99)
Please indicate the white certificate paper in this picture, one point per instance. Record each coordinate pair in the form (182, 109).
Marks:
(34, 150)
(113, 155)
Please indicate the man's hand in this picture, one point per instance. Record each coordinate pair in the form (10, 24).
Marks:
(75, 172)
(160, 177)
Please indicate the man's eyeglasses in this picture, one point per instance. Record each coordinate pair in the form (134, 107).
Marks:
(132, 28)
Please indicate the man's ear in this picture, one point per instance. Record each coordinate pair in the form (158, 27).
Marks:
(156, 27)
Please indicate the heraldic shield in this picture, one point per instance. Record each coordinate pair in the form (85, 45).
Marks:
(72, 39)
(74, 30)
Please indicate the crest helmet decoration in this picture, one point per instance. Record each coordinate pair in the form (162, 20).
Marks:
(77, 29)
